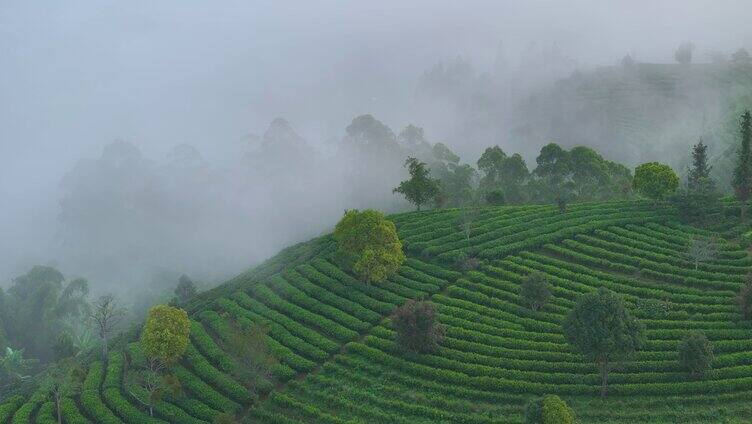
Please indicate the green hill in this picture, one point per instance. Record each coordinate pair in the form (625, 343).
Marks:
(338, 362)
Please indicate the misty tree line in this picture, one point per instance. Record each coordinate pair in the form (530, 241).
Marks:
(579, 174)
(45, 318)
(560, 176)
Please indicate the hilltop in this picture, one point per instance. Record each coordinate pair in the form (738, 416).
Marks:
(338, 361)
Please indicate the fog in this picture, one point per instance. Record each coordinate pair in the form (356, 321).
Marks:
(139, 139)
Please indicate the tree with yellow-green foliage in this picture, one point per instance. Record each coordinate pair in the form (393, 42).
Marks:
(369, 243)
(165, 335)
(655, 180)
(549, 409)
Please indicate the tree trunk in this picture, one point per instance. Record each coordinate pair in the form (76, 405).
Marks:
(604, 379)
(104, 347)
(59, 415)
(151, 411)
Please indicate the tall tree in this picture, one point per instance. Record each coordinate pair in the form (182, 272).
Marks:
(602, 329)
(106, 314)
(742, 178)
(185, 290)
(36, 307)
(490, 165)
(698, 179)
(420, 188)
(413, 137)
(555, 172)
(369, 131)
(514, 173)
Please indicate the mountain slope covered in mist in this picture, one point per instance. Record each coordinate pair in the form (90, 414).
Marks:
(337, 360)
(641, 111)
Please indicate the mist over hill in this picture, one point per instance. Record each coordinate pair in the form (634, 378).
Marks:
(237, 189)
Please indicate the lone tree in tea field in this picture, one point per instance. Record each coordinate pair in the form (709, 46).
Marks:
(369, 244)
(603, 330)
(549, 409)
(655, 180)
(698, 178)
(416, 326)
(106, 313)
(535, 291)
(164, 337)
(420, 188)
(695, 354)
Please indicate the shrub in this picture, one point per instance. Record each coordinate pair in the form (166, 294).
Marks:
(556, 411)
(549, 409)
(695, 353)
(534, 291)
(416, 326)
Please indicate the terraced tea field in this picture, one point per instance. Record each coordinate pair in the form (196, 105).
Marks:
(338, 362)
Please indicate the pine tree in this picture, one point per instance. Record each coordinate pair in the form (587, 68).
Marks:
(699, 180)
(742, 178)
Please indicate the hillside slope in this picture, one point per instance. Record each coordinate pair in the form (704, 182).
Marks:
(338, 362)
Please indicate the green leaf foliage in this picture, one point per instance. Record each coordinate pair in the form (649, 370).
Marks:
(369, 242)
(655, 180)
(603, 330)
(165, 334)
(420, 188)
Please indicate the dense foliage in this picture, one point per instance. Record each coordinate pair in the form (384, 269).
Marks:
(655, 180)
(370, 244)
(165, 334)
(603, 330)
(420, 188)
(416, 326)
(549, 409)
(39, 309)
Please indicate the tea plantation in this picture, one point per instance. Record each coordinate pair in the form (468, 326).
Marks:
(338, 362)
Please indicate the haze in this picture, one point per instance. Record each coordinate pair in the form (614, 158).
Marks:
(77, 76)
